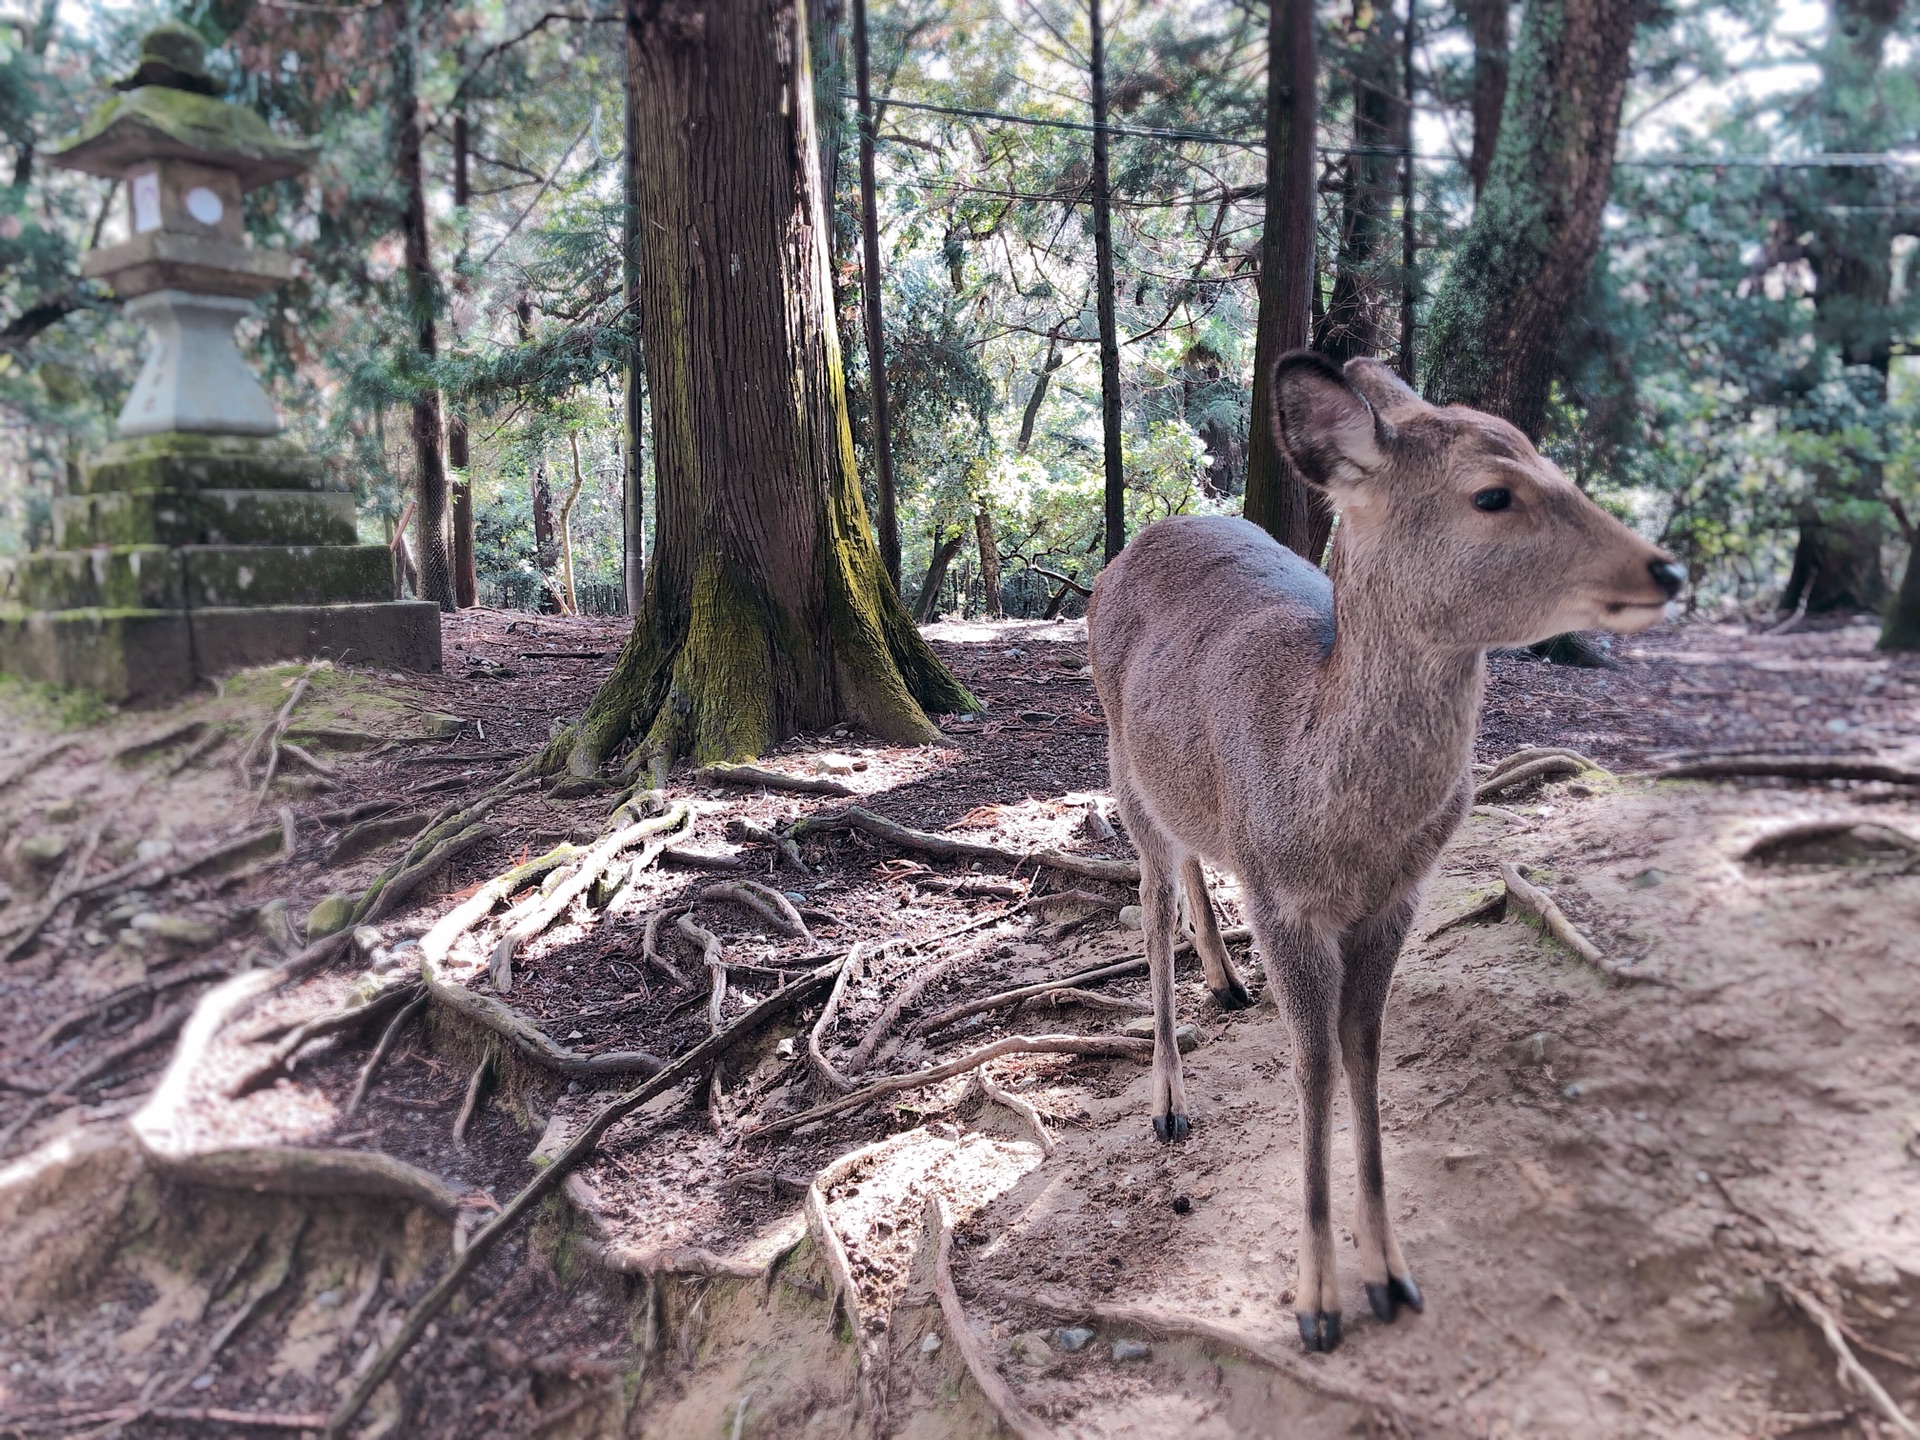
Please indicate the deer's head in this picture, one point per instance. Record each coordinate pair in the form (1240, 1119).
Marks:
(1451, 524)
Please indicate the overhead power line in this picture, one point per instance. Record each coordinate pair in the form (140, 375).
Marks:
(1847, 160)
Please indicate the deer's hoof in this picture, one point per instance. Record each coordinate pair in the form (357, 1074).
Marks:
(1233, 996)
(1319, 1332)
(1387, 1299)
(1169, 1128)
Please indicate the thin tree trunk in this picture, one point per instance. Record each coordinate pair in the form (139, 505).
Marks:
(1295, 514)
(1520, 271)
(1409, 218)
(1487, 23)
(989, 561)
(1116, 486)
(1355, 321)
(430, 471)
(927, 603)
(633, 530)
(1037, 396)
(566, 527)
(767, 608)
(466, 579)
(38, 39)
(546, 546)
(881, 412)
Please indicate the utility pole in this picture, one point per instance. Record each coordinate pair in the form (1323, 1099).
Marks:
(1409, 237)
(882, 414)
(1103, 265)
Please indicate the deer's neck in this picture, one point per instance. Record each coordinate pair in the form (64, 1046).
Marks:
(1410, 708)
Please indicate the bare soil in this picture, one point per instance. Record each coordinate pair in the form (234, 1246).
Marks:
(1610, 1193)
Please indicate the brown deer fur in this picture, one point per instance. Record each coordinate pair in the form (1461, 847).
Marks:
(1313, 733)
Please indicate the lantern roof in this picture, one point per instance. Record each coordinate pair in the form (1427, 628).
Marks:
(162, 122)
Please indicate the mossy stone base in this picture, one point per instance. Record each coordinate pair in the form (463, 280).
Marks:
(204, 517)
(123, 577)
(156, 577)
(181, 460)
(129, 655)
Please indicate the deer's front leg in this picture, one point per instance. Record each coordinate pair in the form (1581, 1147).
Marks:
(1369, 955)
(1303, 966)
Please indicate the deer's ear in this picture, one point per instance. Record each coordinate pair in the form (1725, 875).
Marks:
(1393, 400)
(1327, 428)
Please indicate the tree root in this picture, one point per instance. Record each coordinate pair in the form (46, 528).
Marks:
(154, 985)
(476, 1094)
(350, 1017)
(538, 913)
(1852, 1374)
(650, 947)
(854, 817)
(687, 1261)
(766, 902)
(914, 989)
(1488, 911)
(380, 1051)
(1370, 1395)
(1537, 903)
(34, 761)
(297, 1170)
(1789, 767)
(1092, 999)
(1829, 830)
(526, 1038)
(1530, 753)
(693, 860)
(386, 893)
(1107, 1046)
(752, 777)
(1020, 1106)
(1069, 899)
(179, 1415)
(1013, 1415)
(1121, 872)
(715, 955)
(270, 734)
(783, 845)
(845, 1291)
(690, 1063)
(438, 942)
(1547, 767)
(158, 1027)
(68, 887)
(822, 1068)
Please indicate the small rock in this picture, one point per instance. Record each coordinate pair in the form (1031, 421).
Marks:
(1646, 879)
(328, 1299)
(795, 896)
(831, 764)
(445, 724)
(203, 1381)
(930, 1344)
(44, 850)
(1182, 1205)
(1096, 826)
(1015, 652)
(1031, 1347)
(329, 915)
(1187, 1037)
(1071, 661)
(1131, 917)
(93, 937)
(1571, 1092)
(147, 851)
(1580, 791)
(1073, 1339)
(1124, 1350)
(65, 813)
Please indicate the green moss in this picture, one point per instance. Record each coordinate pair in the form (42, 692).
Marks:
(32, 704)
(146, 118)
(206, 517)
(180, 460)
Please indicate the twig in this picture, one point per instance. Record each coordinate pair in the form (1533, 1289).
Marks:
(1020, 1106)
(766, 902)
(1790, 767)
(476, 1088)
(1548, 767)
(822, 1067)
(563, 1164)
(528, 1039)
(538, 913)
(752, 777)
(1370, 1394)
(1015, 1416)
(1493, 908)
(380, 1051)
(1853, 1374)
(1541, 906)
(1107, 1046)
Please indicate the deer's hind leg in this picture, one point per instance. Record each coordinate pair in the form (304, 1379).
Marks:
(1222, 978)
(1368, 956)
(1158, 921)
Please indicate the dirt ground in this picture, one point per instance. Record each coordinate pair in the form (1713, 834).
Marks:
(1628, 1204)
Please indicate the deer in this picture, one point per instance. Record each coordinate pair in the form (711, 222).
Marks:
(1312, 732)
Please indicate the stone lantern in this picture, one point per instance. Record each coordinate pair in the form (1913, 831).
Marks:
(200, 540)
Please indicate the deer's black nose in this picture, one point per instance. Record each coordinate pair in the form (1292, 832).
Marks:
(1668, 575)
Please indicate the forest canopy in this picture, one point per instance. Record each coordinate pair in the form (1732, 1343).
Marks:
(1730, 374)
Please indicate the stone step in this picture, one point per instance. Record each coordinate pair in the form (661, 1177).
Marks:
(145, 655)
(204, 517)
(178, 461)
(156, 577)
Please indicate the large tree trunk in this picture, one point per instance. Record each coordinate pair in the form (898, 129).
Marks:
(927, 604)
(989, 562)
(767, 608)
(1522, 267)
(633, 566)
(1356, 319)
(879, 409)
(1294, 513)
(1846, 217)
(1487, 22)
(1110, 447)
(429, 459)
(466, 578)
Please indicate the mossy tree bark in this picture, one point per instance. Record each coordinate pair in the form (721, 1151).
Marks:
(1277, 500)
(767, 609)
(1521, 269)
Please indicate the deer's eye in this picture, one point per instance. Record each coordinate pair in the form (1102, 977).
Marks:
(1496, 498)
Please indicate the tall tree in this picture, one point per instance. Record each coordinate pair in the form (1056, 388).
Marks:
(1356, 318)
(1522, 266)
(466, 579)
(1293, 512)
(1405, 361)
(767, 608)
(1115, 467)
(880, 413)
(633, 487)
(1487, 24)
(423, 300)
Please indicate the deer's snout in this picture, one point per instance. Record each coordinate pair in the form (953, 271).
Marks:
(1669, 575)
